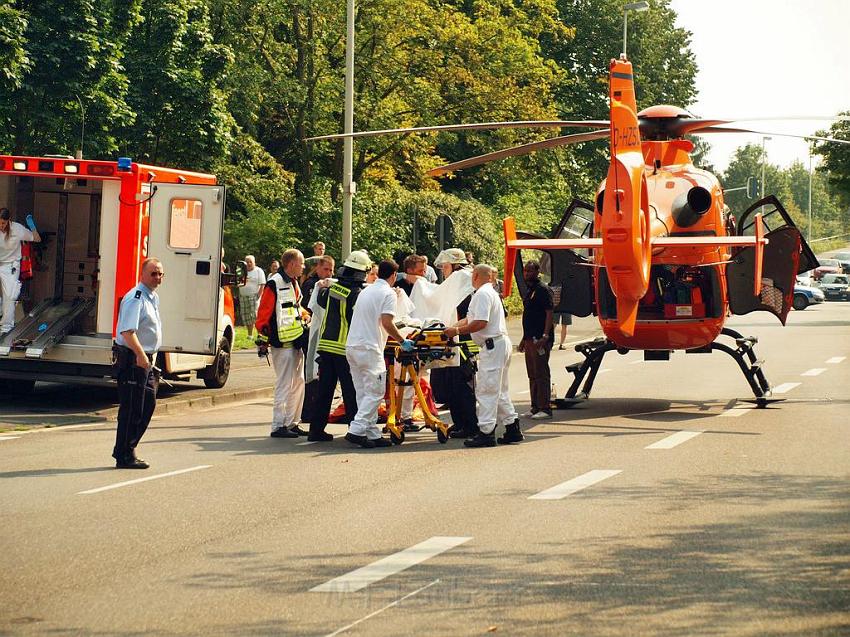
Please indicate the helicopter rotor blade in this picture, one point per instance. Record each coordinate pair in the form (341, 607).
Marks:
(524, 149)
(590, 123)
(729, 129)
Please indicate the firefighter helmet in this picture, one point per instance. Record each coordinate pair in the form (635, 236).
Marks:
(358, 260)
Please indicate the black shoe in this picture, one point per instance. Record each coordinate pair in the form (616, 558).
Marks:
(131, 463)
(363, 441)
(319, 436)
(481, 440)
(409, 427)
(462, 432)
(382, 442)
(283, 432)
(512, 434)
(298, 431)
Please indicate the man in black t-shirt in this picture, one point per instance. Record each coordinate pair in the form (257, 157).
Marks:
(537, 340)
(414, 267)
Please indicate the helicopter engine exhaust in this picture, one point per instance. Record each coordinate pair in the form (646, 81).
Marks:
(689, 207)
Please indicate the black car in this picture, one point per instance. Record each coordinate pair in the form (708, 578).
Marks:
(843, 259)
(835, 287)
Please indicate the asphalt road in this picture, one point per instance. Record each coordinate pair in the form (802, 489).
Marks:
(609, 519)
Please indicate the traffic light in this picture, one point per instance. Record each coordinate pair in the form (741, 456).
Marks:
(752, 187)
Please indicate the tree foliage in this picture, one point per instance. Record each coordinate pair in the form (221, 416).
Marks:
(836, 158)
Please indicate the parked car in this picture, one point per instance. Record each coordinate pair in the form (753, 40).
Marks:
(827, 266)
(804, 296)
(836, 287)
(843, 259)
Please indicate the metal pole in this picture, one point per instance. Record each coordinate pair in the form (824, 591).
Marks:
(348, 144)
(763, 164)
(625, 30)
(809, 234)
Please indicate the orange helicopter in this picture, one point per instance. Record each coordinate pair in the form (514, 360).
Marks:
(668, 262)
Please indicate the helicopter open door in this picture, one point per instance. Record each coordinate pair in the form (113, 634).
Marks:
(785, 256)
(563, 269)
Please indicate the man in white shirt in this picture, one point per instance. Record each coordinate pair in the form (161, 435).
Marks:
(485, 321)
(249, 294)
(371, 323)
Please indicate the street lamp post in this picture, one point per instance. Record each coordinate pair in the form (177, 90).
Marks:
(632, 6)
(348, 185)
(809, 233)
(763, 164)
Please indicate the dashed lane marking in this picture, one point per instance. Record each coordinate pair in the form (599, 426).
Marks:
(9, 437)
(385, 567)
(735, 412)
(381, 610)
(817, 371)
(784, 387)
(674, 440)
(145, 479)
(560, 491)
(835, 360)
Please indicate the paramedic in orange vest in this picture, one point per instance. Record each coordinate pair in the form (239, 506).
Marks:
(11, 236)
(281, 327)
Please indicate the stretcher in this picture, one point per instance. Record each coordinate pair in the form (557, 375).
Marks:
(430, 344)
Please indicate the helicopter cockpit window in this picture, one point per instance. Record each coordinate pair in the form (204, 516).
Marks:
(543, 259)
(771, 217)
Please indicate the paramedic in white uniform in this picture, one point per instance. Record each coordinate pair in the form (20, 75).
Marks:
(371, 323)
(11, 235)
(485, 321)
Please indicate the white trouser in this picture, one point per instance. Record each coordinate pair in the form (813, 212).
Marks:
(369, 373)
(409, 393)
(10, 288)
(289, 388)
(491, 386)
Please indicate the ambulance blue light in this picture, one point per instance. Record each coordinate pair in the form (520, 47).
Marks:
(125, 164)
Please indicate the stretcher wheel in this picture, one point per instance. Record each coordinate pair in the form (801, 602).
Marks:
(443, 438)
(397, 439)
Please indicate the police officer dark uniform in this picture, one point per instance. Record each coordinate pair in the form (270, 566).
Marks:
(338, 301)
(139, 336)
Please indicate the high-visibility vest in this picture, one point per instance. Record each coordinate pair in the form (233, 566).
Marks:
(287, 310)
(334, 331)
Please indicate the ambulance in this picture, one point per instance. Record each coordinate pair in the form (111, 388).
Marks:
(99, 220)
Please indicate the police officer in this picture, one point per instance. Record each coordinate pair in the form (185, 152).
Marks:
(338, 301)
(486, 322)
(453, 385)
(280, 324)
(139, 337)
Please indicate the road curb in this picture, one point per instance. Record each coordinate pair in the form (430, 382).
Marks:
(171, 407)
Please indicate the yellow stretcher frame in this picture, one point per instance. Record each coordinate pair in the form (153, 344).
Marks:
(429, 344)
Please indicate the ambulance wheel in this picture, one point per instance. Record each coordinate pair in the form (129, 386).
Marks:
(397, 440)
(215, 375)
(443, 438)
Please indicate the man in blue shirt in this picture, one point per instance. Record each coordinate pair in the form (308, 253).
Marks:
(139, 336)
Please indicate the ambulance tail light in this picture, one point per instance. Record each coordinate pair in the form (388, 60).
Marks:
(2, 164)
(100, 170)
(72, 169)
(19, 165)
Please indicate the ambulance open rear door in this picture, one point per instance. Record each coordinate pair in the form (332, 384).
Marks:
(184, 232)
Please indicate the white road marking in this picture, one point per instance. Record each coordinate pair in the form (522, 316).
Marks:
(390, 565)
(835, 360)
(381, 610)
(674, 440)
(524, 391)
(638, 362)
(735, 412)
(784, 387)
(304, 444)
(145, 479)
(817, 371)
(9, 437)
(603, 371)
(560, 491)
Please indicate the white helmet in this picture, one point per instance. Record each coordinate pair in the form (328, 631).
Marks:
(453, 256)
(358, 260)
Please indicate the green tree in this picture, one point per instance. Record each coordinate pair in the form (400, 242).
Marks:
(836, 158)
(68, 54)
(176, 72)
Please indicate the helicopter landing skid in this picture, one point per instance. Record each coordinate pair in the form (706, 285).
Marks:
(751, 367)
(593, 352)
(596, 349)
